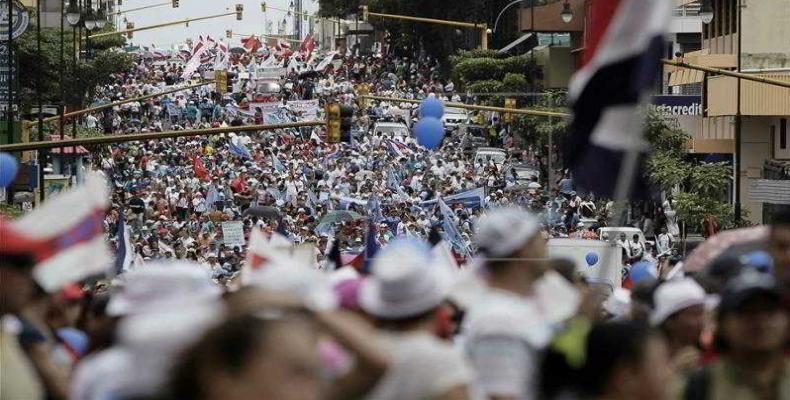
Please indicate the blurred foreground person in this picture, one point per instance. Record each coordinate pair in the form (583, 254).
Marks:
(752, 331)
(18, 379)
(621, 360)
(513, 321)
(404, 295)
(680, 315)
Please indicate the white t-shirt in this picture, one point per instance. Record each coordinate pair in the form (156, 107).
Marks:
(424, 367)
(502, 335)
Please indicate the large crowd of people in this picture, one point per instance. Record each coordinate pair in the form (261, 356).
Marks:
(381, 308)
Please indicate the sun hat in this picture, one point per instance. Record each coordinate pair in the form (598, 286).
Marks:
(674, 296)
(500, 232)
(161, 285)
(405, 281)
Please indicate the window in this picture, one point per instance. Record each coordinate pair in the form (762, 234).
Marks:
(783, 133)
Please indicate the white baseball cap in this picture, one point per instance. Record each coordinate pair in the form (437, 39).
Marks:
(502, 231)
(405, 281)
(674, 296)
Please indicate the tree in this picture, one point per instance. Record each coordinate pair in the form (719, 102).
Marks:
(699, 188)
(44, 68)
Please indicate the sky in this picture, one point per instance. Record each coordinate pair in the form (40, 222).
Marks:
(253, 19)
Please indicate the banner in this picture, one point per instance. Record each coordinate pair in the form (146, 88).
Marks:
(266, 108)
(270, 73)
(326, 61)
(307, 109)
(233, 233)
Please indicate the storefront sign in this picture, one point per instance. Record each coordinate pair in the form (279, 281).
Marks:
(678, 105)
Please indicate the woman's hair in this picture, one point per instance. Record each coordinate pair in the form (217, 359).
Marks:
(606, 346)
(225, 348)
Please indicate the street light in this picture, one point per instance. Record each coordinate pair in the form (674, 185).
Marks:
(90, 20)
(567, 13)
(73, 13)
(101, 18)
(706, 12)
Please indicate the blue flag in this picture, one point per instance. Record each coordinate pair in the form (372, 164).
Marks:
(451, 229)
(277, 164)
(124, 253)
(239, 149)
(371, 246)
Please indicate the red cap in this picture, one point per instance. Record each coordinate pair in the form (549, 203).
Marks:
(71, 292)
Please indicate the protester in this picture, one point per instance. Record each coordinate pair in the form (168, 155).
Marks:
(753, 331)
(679, 313)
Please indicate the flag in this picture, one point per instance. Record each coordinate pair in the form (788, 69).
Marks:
(277, 164)
(326, 61)
(71, 225)
(262, 251)
(237, 148)
(251, 44)
(124, 253)
(451, 233)
(471, 198)
(374, 205)
(221, 58)
(199, 169)
(623, 53)
(307, 45)
(371, 246)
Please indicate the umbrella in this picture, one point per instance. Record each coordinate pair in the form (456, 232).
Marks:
(263, 212)
(339, 216)
(237, 50)
(727, 243)
(308, 74)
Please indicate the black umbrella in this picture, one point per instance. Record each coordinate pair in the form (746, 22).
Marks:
(263, 212)
(238, 50)
(308, 74)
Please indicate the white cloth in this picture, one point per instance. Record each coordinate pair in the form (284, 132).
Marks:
(424, 367)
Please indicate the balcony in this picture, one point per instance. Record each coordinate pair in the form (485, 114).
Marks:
(547, 16)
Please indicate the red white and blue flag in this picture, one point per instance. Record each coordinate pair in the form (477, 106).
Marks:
(623, 49)
(72, 226)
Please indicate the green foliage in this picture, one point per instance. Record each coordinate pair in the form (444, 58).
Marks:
(475, 53)
(478, 69)
(515, 83)
(79, 81)
(485, 86)
(10, 211)
(699, 188)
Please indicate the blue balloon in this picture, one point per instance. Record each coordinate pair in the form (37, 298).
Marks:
(643, 271)
(591, 258)
(431, 107)
(429, 132)
(8, 169)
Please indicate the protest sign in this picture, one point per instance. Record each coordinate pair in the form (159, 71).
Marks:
(233, 233)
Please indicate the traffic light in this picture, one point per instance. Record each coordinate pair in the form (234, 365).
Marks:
(346, 120)
(129, 26)
(333, 123)
(239, 10)
(263, 6)
(509, 103)
(221, 81)
(229, 34)
(175, 3)
(363, 10)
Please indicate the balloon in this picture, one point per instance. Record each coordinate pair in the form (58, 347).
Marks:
(643, 271)
(591, 258)
(431, 107)
(429, 132)
(8, 168)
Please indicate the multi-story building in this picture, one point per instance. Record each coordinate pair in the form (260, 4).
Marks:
(757, 45)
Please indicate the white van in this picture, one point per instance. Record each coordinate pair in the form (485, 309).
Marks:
(606, 271)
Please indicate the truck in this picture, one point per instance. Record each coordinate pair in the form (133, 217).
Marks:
(607, 271)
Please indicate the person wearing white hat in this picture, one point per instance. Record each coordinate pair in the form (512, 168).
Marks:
(404, 293)
(679, 313)
(507, 326)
